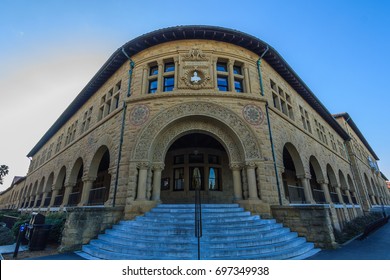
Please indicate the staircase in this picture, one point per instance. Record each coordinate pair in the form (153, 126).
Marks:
(167, 232)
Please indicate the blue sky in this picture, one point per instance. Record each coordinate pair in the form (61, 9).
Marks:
(49, 50)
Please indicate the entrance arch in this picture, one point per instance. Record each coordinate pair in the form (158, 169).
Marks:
(203, 155)
(237, 139)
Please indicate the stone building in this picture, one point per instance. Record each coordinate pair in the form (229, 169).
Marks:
(201, 106)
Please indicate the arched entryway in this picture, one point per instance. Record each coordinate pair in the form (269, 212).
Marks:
(101, 186)
(210, 122)
(196, 156)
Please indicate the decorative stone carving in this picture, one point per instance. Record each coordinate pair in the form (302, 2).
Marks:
(163, 141)
(195, 70)
(139, 114)
(238, 139)
(253, 114)
(195, 54)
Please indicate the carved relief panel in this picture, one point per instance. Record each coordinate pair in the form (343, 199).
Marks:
(195, 70)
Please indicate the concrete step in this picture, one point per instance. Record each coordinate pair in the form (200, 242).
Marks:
(173, 243)
(138, 226)
(190, 224)
(229, 232)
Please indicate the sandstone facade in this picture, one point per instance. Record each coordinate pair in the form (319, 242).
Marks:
(205, 98)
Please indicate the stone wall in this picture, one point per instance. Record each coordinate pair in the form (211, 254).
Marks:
(84, 224)
(313, 222)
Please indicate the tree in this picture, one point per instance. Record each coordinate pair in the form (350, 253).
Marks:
(3, 172)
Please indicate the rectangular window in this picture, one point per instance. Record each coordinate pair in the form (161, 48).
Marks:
(178, 177)
(178, 159)
(237, 70)
(213, 159)
(222, 66)
(196, 177)
(169, 67)
(195, 158)
(169, 83)
(238, 85)
(152, 86)
(213, 182)
(275, 100)
(222, 83)
(153, 70)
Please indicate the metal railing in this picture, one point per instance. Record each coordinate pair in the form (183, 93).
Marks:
(58, 200)
(319, 196)
(97, 196)
(334, 197)
(74, 199)
(296, 194)
(47, 201)
(198, 218)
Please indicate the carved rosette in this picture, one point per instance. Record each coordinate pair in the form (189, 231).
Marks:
(139, 114)
(253, 114)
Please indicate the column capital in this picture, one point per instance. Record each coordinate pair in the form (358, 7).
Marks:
(250, 164)
(236, 166)
(322, 181)
(158, 166)
(88, 178)
(143, 165)
(303, 176)
(70, 184)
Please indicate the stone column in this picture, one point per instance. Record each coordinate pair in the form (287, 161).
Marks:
(53, 196)
(160, 76)
(145, 80)
(325, 188)
(157, 168)
(231, 75)
(349, 197)
(142, 177)
(176, 61)
(338, 191)
(306, 189)
(68, 190)
(215, 74)
(87, 186)
(35, 200)
(237, 186)
(246, 79)
(44, 195)
(252, 187)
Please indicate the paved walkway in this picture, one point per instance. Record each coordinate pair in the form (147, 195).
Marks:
(375, 247)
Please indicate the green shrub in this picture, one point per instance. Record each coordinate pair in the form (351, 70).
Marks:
(23, 218)
(355, 227)
(6, 236)
(57, 220)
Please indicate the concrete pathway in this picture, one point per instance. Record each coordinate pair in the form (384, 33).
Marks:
(375, 247)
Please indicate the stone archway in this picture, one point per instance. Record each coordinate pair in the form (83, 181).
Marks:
(239, 141)
(228, 122)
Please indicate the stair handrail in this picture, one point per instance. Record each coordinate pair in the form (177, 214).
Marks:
(198, 217)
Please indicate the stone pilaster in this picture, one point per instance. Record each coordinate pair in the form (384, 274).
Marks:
(237, 186)
(142, 178)
(87, 186)
(157, 169)
(252, 186)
